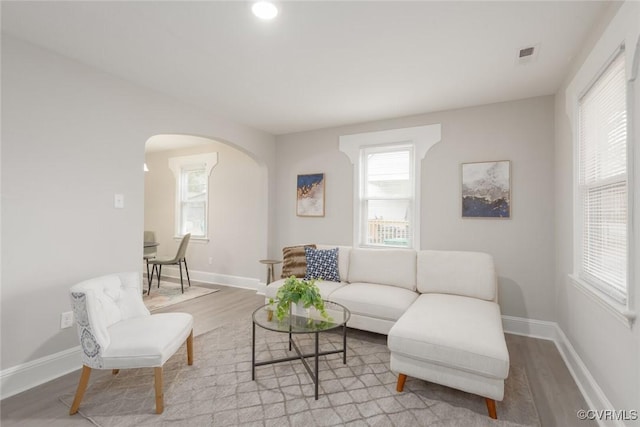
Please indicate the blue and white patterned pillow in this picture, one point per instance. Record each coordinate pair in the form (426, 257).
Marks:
(322, 264)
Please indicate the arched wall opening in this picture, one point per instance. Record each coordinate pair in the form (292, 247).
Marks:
(236, 231)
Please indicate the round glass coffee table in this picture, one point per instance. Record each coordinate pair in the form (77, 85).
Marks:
(301, 321)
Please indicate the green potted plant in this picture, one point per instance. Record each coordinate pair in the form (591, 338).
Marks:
(300, 292)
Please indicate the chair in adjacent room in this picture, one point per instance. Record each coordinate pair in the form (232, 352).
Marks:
(116, 331)
(157, 263)
(150, 252)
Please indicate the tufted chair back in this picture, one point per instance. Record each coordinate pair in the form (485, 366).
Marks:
(99, 303)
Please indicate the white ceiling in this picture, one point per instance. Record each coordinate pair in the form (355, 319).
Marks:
(318, 64)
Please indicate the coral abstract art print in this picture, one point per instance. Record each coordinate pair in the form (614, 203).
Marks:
(310, 195)
(486, 190)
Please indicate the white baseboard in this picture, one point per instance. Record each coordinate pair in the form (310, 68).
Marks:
(214, 278)
(593, 394)
(530, 327)
(591, 391)
(22, 377)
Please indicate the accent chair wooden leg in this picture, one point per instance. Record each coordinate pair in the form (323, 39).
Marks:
(82, 387)
(491, 407)
(115, 371)
(401, 379)
(190, 349)
(159, 395)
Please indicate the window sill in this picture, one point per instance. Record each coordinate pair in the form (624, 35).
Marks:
(363, 246)
(197, 240)
(619, 311)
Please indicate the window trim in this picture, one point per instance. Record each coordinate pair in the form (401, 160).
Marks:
(364, 199)
(595, 66)
(177, 164)
(422, 138)
(582, 189)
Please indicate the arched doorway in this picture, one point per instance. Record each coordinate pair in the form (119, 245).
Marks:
(226, 248)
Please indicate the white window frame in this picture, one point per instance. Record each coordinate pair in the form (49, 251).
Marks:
(420, 138)
(178, 165)
(619, 35)
(364, 198)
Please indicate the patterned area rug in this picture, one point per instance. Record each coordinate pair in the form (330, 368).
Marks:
(170, 293)
(218, 391)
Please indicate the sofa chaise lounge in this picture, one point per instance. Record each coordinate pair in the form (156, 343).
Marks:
(439, 310)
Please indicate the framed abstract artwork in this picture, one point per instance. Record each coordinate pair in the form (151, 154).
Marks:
(486, 189)
(310, 195)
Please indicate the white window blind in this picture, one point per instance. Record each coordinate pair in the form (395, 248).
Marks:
(602, 182)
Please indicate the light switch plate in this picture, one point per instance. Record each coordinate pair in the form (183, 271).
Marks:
(118, 201)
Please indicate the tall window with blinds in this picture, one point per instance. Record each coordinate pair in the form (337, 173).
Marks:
(387, 196)
(602, 190)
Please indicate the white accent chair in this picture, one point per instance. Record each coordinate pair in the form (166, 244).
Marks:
(116, 330)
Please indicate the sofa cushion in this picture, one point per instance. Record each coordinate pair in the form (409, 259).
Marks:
(343, 259)
(469, 274)
(294, 261)
(322, 264)
(455, 331)
(373, 300)
(326, 288)
(393, 267)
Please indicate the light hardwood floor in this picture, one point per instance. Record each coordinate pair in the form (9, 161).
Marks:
(556, 395)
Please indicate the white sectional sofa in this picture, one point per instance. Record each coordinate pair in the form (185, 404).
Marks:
(438, 308)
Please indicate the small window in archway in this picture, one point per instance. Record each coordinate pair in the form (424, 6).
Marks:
(192, 192)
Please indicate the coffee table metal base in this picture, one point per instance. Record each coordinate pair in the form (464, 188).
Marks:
(299, 355)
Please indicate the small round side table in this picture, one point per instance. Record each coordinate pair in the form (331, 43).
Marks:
(270, 270)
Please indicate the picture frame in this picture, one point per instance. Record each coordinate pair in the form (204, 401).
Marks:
(310, 195)
(485, 189)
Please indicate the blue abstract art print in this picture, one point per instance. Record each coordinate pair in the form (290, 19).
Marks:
(310, 195)
(486, 189)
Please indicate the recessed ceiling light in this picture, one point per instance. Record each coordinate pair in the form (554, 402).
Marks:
(264, 10)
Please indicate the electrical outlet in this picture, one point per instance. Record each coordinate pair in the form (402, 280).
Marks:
(210, 260)
(66, 319)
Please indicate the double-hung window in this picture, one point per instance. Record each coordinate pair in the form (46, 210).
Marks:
(602, 183)
(387, 196)
(386, 178)
(192, 193)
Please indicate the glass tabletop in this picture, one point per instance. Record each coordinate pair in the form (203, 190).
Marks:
(300, 320)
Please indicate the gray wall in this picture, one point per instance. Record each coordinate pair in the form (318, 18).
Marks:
(234, 217)
(520, 131)
(609, 349)
(72, 137)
